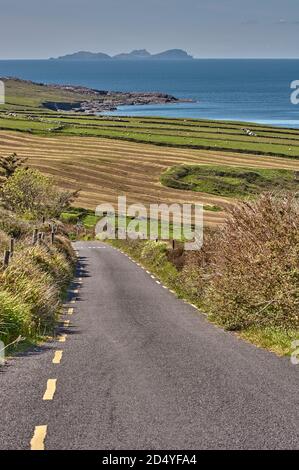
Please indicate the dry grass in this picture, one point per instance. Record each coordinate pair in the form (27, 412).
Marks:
(104, 169)
(247, 274)
(31, 288)
(4, 240)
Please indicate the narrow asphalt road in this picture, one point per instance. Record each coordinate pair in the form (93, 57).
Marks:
(140, 369)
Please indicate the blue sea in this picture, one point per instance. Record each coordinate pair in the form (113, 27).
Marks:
(244, 90)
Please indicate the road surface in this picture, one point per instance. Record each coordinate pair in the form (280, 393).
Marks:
(140, 369)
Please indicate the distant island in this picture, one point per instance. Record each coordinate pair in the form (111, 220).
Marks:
(140, 54)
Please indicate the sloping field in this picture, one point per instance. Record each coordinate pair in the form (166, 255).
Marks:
(26, 111)
(105, 168)
(178, 133)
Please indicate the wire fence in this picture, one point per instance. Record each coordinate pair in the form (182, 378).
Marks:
(39, 238)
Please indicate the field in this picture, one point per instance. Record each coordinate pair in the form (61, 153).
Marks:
(104, 169)
(230, 182)
(106, 157)
(25, 111)
(195, 134)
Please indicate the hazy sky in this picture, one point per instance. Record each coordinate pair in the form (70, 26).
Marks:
(205, 28)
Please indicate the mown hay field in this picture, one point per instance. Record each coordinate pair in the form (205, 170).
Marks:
(105, 168)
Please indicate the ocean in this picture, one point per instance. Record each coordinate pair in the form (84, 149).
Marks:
(243, 90)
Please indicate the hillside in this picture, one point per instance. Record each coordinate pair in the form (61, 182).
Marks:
(28, 96)
(107, 156)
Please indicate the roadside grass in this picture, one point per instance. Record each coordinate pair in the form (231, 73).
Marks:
(153, 257)
(87, 219)
(245, 277)
(106, 157)
(31, 289)
(78, 215)
(229, 182)
(33, 283)
(273, 339)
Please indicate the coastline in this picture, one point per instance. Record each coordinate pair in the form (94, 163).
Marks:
(93, 101)
(192, 110)
(226, 90)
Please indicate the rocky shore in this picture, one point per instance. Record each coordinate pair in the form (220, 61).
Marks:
(81, 99)
(101, 100)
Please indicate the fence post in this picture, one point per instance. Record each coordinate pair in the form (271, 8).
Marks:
(39, 237)
(53, 235)
(35, 235)
(6, 258)
(12, 246)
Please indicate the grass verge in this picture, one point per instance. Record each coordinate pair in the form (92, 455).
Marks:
(273, 339)
(31, 291)
(245, 277)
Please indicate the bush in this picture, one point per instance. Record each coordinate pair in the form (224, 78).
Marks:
(63, 245)
(154, 253)
(12, 225)
(31, 194)
(69, 218)
(249, 270)
(53, 262)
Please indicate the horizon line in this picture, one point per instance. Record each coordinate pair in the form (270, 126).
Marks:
(160, 60)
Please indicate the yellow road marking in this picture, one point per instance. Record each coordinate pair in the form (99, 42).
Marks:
(39, 436)
(57, 357)
(70, 311)
(51, 388)
(62, 338)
